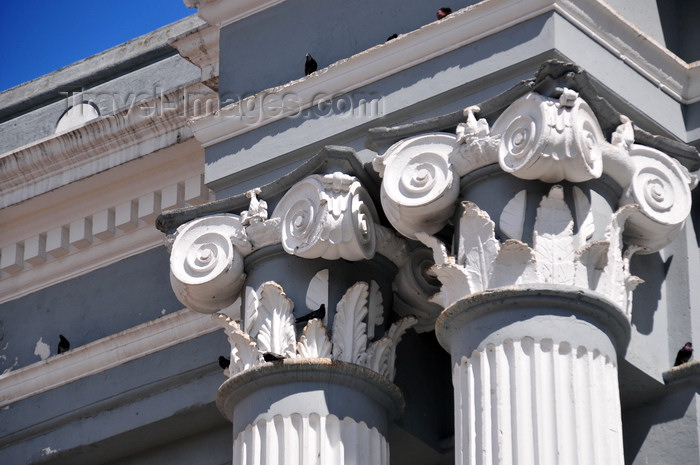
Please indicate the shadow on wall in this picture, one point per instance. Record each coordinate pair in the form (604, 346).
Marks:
(674, 415)
(652, 269)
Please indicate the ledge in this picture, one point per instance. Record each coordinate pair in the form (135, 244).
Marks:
(685, 373)
(622, 39)
(315, 370)
(103, 354)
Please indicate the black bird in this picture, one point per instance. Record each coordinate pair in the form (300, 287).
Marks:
(224, 362)
(684, 354)
(310, 66)
(392, 37)
(273, 357)
(444, 11)
(63, 344)
(320, 313)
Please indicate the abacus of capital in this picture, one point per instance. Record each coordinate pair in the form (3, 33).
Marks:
(532, 298)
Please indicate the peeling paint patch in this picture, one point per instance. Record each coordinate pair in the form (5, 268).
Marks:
(48, 451)
(13, 365)
(42, 349)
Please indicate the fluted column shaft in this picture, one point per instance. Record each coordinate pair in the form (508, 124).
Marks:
(296, 439)
(311, 412)
(535, 377)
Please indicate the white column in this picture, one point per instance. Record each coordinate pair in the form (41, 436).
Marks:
(298, 439)
(537, 403)
(309, 412)
(535, 377)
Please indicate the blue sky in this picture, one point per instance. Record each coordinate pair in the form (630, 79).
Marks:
(41, 36)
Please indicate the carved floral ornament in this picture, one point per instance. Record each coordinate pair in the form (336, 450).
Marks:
(536, 139)
(323, 216)
(269, 328)
(549, 140)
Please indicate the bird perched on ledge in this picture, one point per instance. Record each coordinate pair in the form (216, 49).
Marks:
(442, 12)
(684, 354)
(224, 362)
(320, 313)
(63, 344)
(273, 357)
(310, 66)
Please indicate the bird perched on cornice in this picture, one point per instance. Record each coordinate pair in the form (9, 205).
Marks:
(224, 362)
(63, 344)
(273, 357)
(684, 354)
(392, 37)
(444, 11)
(310, 66)
(320, 313)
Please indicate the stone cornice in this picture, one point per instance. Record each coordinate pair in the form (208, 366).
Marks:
(103, 354)
(648, 58)
(96, 221)
(99, 145)
(201, 48)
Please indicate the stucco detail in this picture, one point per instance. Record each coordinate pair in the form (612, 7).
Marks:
(269, 328)
(540, 139)
(329, 216)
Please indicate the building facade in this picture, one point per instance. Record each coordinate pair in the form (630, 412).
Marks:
(470, 243)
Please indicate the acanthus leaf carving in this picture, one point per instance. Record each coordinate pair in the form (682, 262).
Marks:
(349, 327)
(515, 264)
(584, 217)
(250, 312)
(601, 266)
(314, 342)
(268, 312)
(455, 283)
(554, 239)
(244, 350)
(276, 333)
(478, 246)
(512, 220)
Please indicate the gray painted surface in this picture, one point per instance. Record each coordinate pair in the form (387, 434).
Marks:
(253, 58)
(92, 306)
(681, 34)
(138, 405)
(446, 83)
(664, 431)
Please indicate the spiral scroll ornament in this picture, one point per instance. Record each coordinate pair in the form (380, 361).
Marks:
(420, 186)
(206, 270)
(661, 186)
(329, 217)
(550, 140)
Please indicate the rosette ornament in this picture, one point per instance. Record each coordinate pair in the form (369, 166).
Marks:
(550, 140)
(328, 216)
(206, 262)
(661, 186)
(419, 186)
